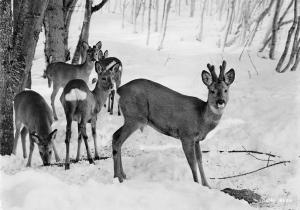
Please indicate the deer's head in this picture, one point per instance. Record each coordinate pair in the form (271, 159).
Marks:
(92, 53)
(218, 87)
(45, 145)
(104, 75)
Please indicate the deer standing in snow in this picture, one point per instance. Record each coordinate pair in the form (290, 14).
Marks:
(82, 105)
(187, 118)
(61, 73)
(32, 111)
(110, 62)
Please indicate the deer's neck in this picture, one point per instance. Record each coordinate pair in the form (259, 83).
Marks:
(100, 95)
(210, 116)
(88, 65)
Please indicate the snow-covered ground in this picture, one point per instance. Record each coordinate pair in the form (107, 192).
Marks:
(262, 115)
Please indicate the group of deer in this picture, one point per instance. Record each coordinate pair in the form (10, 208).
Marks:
(142, 102)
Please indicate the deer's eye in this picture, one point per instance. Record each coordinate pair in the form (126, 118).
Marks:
(225, 90)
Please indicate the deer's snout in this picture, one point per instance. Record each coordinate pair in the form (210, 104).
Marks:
(221, 103)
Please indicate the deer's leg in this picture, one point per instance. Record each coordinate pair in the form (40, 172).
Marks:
(17, 134)
(24, 132)
(30, 151)
(94, 133)
(67, 141)
(108, 104)
(112, 95)
(79, 144)
(53, 95)
(117, 86)
(200, 165)
(119, 138)
(57, 159)
(188, 146)
(85, 138)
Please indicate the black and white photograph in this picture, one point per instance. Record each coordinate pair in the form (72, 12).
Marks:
(149, 104)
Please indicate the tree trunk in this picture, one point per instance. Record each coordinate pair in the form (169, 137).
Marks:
(54, 32)
(163, 15)
(200, 33)
(123, 13)
(84, 34)
(156, 15)
(149, 21)
(6, 91)
(168, 7)
(274, 30)
(229, 23)
(192, 9)
(18, 59)
(143, 13)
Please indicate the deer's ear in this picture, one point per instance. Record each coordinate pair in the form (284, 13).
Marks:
(35, 137)
(85, 45)
(229, 77)
(98, 68)
(116, 68)
(100, 55)
(106, 54)
(99, 45)
(206, 78)
(52, 135)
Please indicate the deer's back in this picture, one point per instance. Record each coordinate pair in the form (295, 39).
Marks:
(62, 73)
(168, 111)
(32, 110)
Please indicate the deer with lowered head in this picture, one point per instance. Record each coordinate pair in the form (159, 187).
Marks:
(144, 102)
(61, 73)
(110, 62)
(33, 113)
(82, 105)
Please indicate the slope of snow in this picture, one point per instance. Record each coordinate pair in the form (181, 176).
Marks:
(262, 114)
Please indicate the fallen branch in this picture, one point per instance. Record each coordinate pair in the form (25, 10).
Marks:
(250, 172)
(243, 151)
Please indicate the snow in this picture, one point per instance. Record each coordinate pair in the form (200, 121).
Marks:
(262, 114)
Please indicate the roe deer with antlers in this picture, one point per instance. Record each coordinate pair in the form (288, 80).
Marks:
(82, 105)
(61, 73)
(187, 118)
(110, 63)
(32, 111)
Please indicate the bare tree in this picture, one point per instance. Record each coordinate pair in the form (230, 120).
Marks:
(84, 34)
(17, 47)
(192, 8)
(295, 25)
(156, 15)
(168, 7)
(229, 23)
(149, 21)
(274, 30)
(200, 32)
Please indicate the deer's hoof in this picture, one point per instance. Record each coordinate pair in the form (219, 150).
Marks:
(123, 175)
(97, 157)
(28, 165)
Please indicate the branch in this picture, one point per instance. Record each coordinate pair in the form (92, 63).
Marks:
(99, 6)
(250, 172)
(246, 151)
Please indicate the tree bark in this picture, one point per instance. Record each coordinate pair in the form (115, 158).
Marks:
(17, 65)
(274, 30)
(54, 32)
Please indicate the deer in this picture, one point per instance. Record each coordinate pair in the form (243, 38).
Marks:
(110, 62)
(60, 73)
(82, 105)
(35, 117)
(144, 102)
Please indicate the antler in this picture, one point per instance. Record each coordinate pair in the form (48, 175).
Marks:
(211, 68)
(222, 70)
